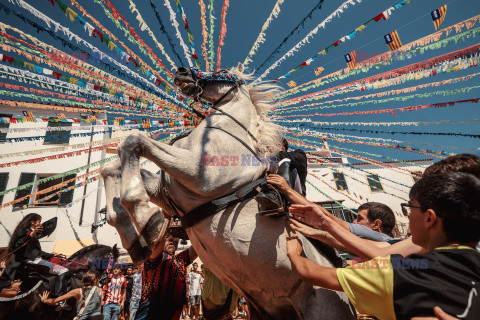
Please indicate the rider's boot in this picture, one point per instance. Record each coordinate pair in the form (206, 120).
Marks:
(270, 200)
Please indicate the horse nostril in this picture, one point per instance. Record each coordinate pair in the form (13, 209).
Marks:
(182, 70)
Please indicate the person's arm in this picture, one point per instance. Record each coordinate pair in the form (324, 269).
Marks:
(297, 198)
(122, 300)
(12, 291)
(103, 296)
(309, 271)
(75, 293)
(356, 245)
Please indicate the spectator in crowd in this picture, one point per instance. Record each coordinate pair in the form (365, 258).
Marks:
(88, 297)
(347, 242)
(242, 309)
(128, 292)
(113, 294)
(194, 290)
(164, 290)
(444, 215)
(12, 290)
(218, 300)
(136, 291)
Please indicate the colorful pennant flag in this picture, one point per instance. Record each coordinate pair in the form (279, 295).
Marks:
(318, 71)
(119, 121)
(28, 116)
(351, 59)
(292, 84)
(438, 16)
(393, 40)
(146, 123)
(61, 116)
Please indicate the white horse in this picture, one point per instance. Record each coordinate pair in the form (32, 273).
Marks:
(243, 249)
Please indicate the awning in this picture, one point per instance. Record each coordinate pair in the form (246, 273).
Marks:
(69, 247)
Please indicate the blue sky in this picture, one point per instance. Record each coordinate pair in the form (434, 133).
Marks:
(245, 19)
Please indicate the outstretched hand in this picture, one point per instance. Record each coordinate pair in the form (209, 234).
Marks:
(294, 244)
(302, 228)
(44, 296)
(309, 214)
(278, 181)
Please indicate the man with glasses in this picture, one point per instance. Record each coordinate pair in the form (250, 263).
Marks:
(444, 216)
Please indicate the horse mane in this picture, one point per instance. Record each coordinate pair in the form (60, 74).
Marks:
(93, 247)
(269, 135)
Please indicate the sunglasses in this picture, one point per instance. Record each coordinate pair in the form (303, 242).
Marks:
(407, 209)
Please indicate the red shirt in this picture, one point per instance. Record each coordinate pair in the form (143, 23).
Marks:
(164, 282)
(114, 290)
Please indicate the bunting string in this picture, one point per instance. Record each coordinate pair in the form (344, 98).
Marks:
(299, 26)
(164, 31)
(420, 46)
(203, 18)
(453, 61)
(175, 24)
(223, 33)
(211, 45)
(382, 16)
(291, 52)
(333, 103)
(134, 38)
(428, 152)
(190, 37)
(332, 199)
(392, 111)
(261, 37)
(144, 26)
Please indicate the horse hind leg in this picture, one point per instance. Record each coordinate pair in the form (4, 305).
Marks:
(150, 222)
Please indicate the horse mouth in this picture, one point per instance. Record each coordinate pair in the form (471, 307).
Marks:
(185, 82)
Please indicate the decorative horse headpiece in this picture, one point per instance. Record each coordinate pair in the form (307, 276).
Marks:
(200, 78)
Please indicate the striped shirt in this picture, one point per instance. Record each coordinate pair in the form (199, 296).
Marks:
(164, 282)
(114, 290)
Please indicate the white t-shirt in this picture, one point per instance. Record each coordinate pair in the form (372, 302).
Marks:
(194, 281)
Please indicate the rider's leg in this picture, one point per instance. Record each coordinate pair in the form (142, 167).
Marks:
(268, 198)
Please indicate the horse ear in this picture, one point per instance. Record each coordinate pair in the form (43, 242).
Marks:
(240, 67)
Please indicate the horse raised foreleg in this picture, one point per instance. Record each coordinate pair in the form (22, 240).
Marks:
(149, 222)
(135, 243)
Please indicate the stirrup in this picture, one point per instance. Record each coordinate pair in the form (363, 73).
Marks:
(272, 212)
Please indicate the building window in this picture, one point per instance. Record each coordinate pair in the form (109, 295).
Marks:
(416, 175)
(25, 178)
(3, 183)
(57, 137)
(64, 198)
(339, 179)
(374, 183)
(3, 135)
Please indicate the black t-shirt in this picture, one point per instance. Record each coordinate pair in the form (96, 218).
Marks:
(129, 287)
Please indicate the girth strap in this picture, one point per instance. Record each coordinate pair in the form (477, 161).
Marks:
(212, 207)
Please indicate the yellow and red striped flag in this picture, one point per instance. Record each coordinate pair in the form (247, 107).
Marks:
(318, 71)
(393, 40)
(351, 59)
(28, 116)
(438, 16)
(119, 121)
(291, 84)
(146, 123)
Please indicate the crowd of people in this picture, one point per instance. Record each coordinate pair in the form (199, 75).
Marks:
(434, 273)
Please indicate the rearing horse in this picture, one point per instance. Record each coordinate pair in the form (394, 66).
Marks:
(244, 250)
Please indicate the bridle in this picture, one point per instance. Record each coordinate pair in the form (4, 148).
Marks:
(201, 78)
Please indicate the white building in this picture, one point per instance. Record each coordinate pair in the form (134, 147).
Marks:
(334, 182)
(76, 209)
